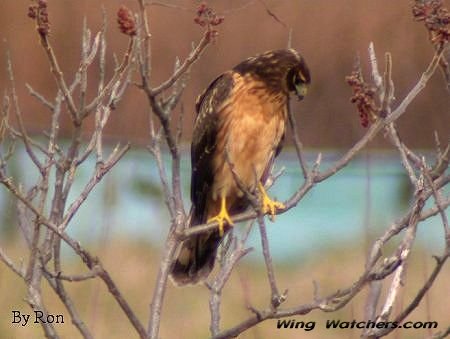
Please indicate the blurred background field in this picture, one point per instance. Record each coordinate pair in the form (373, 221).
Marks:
(330, 34)
(324, 239)
(185, 315)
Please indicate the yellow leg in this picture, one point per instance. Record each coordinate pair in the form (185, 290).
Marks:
(222, 217)
(269, 205)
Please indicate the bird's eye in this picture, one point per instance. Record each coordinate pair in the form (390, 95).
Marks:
(298, 79)
(295, 79)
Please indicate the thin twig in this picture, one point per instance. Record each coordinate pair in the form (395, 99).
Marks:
(12, 266)
(298, 144)
(18, 113)
(438, 198)
(40, 97)
(217, 285)
(59, 78)
(93, 273)
(276, 298)
(187, 63)
(100, 172)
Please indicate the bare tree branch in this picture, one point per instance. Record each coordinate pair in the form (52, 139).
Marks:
(46, 207)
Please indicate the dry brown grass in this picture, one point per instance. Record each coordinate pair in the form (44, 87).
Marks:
(186, 314)
(328, 33)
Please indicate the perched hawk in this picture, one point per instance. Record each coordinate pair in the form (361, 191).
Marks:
(240, 125)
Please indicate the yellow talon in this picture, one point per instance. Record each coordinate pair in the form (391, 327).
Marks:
(222, 217)
(269, 205)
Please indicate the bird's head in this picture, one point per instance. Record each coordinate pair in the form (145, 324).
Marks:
(282, 70)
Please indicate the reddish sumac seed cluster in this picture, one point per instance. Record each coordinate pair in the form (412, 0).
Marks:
(38, 11)
(206, 16)
(126, 21)
(364, 98)
(435, 17)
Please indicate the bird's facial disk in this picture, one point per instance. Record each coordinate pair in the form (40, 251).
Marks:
(299, 85)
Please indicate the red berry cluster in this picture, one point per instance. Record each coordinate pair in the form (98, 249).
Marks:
(206, 16)
(364, 98)
(436, 18)
(126, 21)
(38, 11)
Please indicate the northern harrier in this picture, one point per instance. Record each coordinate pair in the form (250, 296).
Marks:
(241, 122)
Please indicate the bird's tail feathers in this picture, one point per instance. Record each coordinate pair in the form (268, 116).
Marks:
(195, 259)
